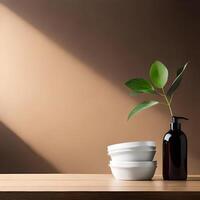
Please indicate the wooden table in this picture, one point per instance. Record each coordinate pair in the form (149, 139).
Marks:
(93, 186)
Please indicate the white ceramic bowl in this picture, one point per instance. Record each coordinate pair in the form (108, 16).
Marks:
(132, 155)
(133, 170)
(139, 148)
(139, 145)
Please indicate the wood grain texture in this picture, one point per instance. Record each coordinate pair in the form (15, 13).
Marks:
(91, 183)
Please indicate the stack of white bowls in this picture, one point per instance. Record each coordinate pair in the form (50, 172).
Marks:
(133, 160)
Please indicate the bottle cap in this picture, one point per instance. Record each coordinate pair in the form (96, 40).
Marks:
(175, 124)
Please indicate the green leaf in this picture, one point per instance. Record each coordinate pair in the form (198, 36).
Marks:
(140, 85)
(177, 81)
(142, 106)
(158, 74)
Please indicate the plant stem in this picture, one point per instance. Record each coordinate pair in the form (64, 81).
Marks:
(168, 102)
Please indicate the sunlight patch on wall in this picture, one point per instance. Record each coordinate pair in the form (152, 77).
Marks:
(60, 106)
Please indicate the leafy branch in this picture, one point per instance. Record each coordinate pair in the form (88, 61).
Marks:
(156, 86)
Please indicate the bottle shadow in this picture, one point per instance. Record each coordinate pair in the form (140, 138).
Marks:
(17, 157)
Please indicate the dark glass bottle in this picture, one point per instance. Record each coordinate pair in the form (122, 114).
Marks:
(175, 152)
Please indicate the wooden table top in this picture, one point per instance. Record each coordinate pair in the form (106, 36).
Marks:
(92, 182)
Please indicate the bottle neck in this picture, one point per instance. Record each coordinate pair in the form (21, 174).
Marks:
(175, 126)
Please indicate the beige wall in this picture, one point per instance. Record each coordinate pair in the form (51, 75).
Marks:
(62, 68)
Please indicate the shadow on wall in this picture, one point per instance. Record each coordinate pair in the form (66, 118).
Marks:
(17, 157)
(113, 36)
(119, 39)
